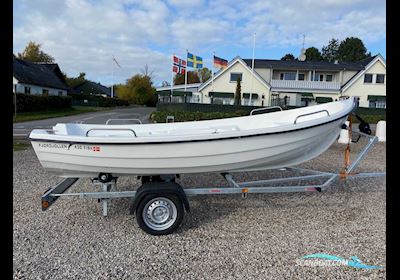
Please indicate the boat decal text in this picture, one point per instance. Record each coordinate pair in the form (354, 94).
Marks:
(69, 146)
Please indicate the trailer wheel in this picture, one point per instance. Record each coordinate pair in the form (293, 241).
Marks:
(159, 214)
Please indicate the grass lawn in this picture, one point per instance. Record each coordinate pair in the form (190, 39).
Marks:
(20, 145)
(40, 115)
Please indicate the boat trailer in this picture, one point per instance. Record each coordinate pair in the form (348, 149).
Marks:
(159, 203)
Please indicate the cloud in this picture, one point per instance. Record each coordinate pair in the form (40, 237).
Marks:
(83, 35)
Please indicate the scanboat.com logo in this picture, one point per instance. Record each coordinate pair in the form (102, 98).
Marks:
(353, 262)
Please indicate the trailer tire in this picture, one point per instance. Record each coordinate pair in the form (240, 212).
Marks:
(159, 214)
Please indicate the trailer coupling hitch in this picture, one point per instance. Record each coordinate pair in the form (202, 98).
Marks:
(364, 126)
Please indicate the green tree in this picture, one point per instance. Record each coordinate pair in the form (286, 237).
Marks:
(192, 78)
(33, 53)
(204, 74)
(330, 52)
(313, 54)
(138, 90)
(352, 49)
(238, 92)
(288, 57)
(74, 82)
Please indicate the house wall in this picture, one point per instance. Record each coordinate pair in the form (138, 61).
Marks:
(347, 75)
(37, 90)
(362, 90)
(264, 73)
(223, 84)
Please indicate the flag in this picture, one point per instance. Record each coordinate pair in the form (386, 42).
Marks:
(179, 65)
(116, 62)
(194, 61)
(220, 63)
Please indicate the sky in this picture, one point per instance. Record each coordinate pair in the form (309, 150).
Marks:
(84, 35)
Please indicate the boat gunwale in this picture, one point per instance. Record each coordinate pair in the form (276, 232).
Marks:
(187, 141)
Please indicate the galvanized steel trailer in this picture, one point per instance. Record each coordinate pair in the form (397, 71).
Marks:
(160, 202)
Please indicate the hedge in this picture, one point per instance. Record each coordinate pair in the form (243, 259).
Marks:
(33, 103)
(161, 116)
(96, 99)
(200, 107)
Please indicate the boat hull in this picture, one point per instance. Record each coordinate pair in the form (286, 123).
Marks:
(268, 151)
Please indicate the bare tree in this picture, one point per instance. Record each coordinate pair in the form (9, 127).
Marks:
(147, 72)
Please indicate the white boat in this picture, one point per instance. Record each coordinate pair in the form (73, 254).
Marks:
(267, 141)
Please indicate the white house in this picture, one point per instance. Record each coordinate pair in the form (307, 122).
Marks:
(38, 78)
(298, 83)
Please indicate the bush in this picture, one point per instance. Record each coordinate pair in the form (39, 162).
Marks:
(161, 116)
(33, 103)
(370, 115)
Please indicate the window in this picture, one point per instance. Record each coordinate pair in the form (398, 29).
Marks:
(45, 92)
(329, 78)
(380, 78)
(288, 76)
(377, 104)
(301, 77)
(27, 90)
(60, 93)
(368, 78)
(321, 77)
(235, 76)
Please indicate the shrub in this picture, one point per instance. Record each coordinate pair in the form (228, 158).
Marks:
(161, 116)
(32, 103)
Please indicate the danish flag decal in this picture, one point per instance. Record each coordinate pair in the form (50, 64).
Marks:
(96, 149)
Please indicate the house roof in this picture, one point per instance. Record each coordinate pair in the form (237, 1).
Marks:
(41, 74)
(309, 65)
(92, 87)
(230, 64)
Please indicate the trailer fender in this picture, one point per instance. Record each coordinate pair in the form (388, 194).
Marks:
(159, 188)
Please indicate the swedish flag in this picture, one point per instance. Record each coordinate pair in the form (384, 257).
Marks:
(194, 61)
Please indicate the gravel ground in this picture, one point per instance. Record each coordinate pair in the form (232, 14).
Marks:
(224, 237)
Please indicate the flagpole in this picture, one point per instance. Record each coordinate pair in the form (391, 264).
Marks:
(112, 77)
(186, 69)
(172, 79)
(212, 73)
(252, 68)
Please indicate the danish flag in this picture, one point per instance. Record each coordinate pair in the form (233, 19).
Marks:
(179, 65)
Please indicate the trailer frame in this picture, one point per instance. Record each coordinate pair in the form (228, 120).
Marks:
(108, 188)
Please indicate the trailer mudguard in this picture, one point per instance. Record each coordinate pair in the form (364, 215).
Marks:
(159, 188)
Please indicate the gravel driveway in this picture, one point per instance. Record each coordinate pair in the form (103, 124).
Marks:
(224, 237)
